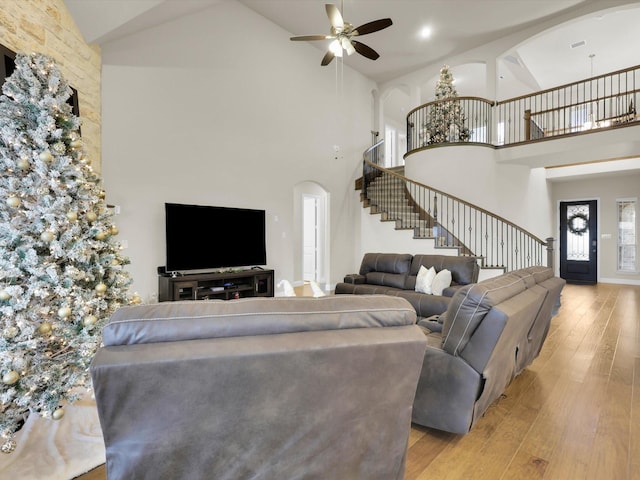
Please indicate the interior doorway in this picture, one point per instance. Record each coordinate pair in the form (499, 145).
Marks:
(579, 241)
(311, 213)
(310, 238)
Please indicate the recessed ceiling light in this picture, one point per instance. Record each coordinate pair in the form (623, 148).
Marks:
(578, 44)
(425, 32)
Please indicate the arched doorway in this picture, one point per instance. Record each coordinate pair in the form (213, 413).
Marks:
(311, 210)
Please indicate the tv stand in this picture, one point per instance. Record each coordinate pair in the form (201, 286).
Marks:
(220, 285)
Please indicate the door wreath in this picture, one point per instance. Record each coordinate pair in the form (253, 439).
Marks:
(578, 223)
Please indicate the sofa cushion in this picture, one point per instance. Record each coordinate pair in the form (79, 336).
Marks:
(176, 321)
(469, 306)
(424, 279)
(395, 280)
(386, 263)
(441, 281)
(464, 270)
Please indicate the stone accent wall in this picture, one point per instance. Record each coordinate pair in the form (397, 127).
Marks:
(46, 26)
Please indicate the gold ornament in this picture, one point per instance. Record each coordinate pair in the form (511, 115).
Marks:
(4, 295)
(8, 446)
(100, 236)
(115, 262)
(45, 156)
(47, 236)
(91, 216)
(101, 288)
(44, 328)
(23, 164)
(102, 194)
(64, 312)
(13, 201)
(58, 413)
(72, 216)
(135, 299)
(89, 320)
(114, 230)
(10, 377)
(11, 332)
(75, 144)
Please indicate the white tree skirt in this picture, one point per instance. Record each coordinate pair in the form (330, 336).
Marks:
(57, 450)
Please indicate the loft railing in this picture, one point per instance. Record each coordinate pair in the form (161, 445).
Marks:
(452, 222)
(605, 101)
(452, 120)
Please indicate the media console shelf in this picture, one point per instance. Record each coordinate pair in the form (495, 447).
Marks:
(221, 286)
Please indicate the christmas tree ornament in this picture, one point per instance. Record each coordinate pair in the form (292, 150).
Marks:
(101, 288)
(11, 332)
(10, 377)
(47, 236)
(100, 236)
(45, 156)
(44, 328)
(57, 414)
(13, 201)
(59, 148)
(135, 298)
(23, 164)
(8, 446)
(4, 295)
(37, 126)
(114, 230)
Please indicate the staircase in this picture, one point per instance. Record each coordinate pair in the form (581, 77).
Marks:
(452, 222)
(386, 195)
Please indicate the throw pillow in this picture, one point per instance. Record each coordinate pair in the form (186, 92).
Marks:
(424, 279)
(441, 281)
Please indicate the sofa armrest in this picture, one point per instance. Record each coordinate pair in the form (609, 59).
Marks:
(355, 278)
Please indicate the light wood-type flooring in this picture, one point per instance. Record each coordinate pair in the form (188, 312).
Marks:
(574, 414)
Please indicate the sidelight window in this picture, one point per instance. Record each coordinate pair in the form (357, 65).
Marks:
(627, 247)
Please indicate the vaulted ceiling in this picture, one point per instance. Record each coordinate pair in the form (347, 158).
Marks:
(570, 30)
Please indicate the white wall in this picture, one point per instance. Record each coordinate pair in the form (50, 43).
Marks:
(220, 108)
(515, 192)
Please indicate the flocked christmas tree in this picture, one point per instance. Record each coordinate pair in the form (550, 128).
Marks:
(61, 268)
(446, 120)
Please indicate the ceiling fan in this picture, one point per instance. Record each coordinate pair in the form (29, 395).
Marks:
(342, 34)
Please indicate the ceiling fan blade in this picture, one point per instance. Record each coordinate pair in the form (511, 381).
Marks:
(373, 26)
(306, 38)
(326, 60)
(364, 50)
(335, 17)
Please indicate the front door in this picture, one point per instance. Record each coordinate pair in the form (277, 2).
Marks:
(579, 241)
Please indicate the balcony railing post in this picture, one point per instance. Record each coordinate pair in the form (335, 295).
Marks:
(550, 254)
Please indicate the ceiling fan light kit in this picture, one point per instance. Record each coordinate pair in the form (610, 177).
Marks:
(342, 34)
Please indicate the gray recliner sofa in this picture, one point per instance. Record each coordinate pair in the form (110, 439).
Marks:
(259, 388)
(489, 333)
(395, 274)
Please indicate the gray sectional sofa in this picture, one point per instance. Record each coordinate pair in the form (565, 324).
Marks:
(395, 274)
(311, 388)
(489, 333)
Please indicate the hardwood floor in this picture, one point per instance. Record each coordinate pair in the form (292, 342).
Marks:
(573, 414)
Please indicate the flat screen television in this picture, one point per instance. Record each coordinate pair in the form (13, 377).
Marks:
(201, 237)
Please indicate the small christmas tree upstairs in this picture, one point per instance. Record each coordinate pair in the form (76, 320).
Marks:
(61, 270)
(445, 120)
